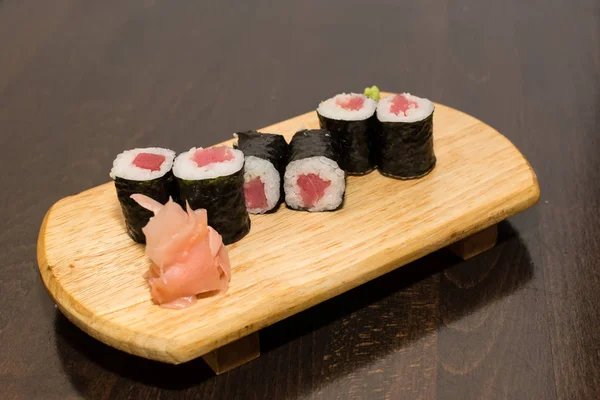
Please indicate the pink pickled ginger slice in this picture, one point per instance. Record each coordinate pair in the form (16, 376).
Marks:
(188, 256)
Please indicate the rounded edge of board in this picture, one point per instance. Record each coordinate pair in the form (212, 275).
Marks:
(95, 325)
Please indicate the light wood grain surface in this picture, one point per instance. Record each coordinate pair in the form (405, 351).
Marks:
(291, 260)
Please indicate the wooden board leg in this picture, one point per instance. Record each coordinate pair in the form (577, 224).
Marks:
(234, 354)
(476, 243)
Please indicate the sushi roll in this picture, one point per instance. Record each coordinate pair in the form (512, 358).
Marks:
(265, 160)
(146, 171)
(351, 120)
(213, 179)
(405, 140)
(313, 180)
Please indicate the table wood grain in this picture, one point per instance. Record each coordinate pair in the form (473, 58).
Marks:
(81, 80)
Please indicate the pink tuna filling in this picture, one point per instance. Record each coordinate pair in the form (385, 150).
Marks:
(401, 104)
(312, 188)
(351, 103)
(149, 161)
(254, 192)
(204, 157)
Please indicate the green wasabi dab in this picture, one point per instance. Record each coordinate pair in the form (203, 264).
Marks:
(372, 92)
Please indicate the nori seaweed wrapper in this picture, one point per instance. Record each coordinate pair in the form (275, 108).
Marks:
(136, 217)
(354, 140)
(405, 149)
(268, 146)
(223, 199)
(313, 143)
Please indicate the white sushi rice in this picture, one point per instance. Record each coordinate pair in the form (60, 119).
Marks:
(423, 110)
(186, 168)
(330, 109)
(124, 168)
(326, 169)
(256, 167)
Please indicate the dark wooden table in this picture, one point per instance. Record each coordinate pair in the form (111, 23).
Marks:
(82, 80)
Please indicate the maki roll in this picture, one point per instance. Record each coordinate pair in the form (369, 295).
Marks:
(351, 120)
(313, 180)
(146, 171)
(265, 160)
(405, 141)
(213, 179)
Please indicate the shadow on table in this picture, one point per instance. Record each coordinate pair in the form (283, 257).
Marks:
(77, 350)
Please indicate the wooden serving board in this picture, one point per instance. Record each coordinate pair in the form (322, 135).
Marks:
(290, 260)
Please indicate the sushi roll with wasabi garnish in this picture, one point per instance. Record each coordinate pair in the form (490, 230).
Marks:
(265, 160)
(146, 171)
(313, 180)
(350, 118)
(404, 147)
(213, 179)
